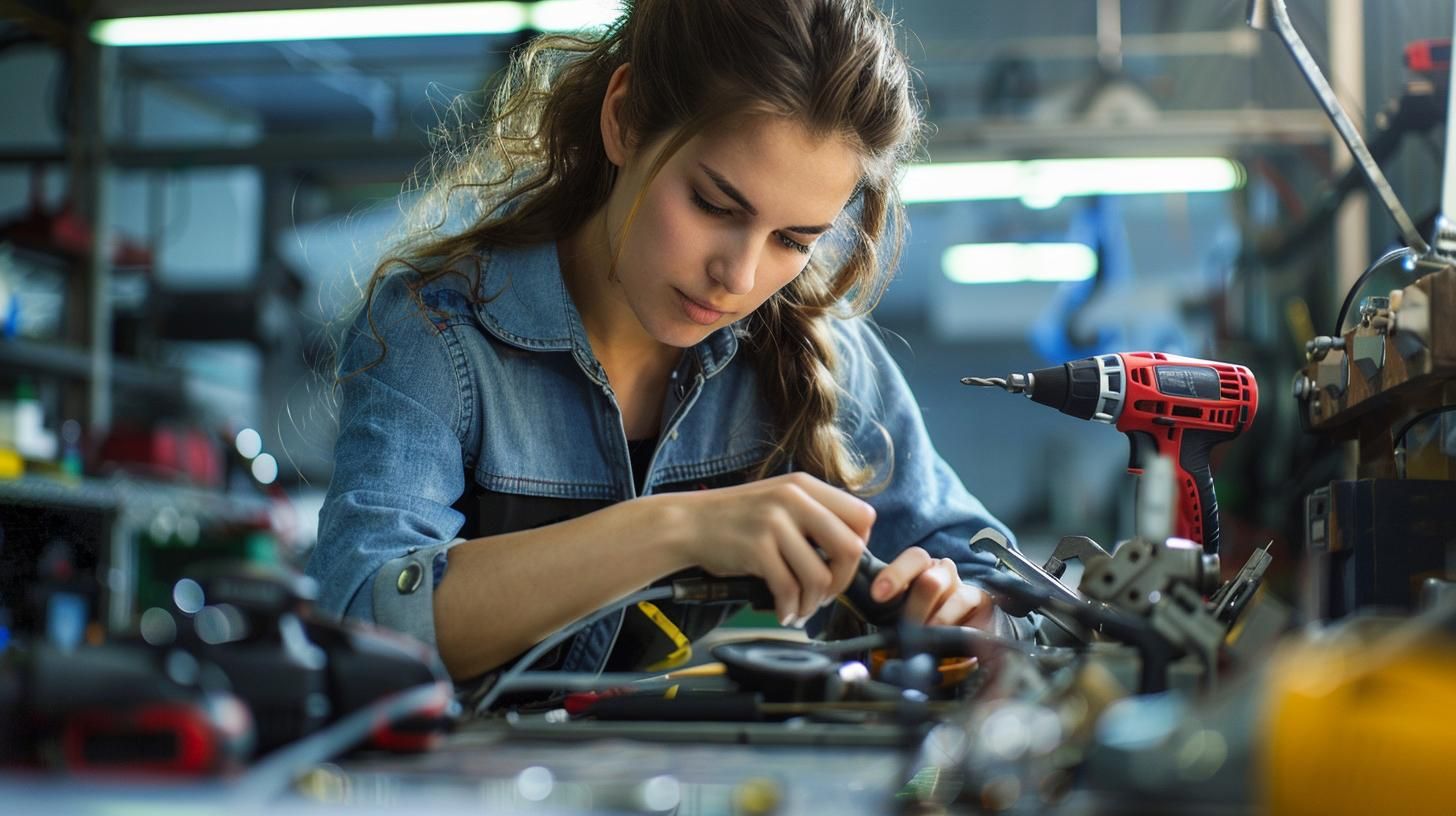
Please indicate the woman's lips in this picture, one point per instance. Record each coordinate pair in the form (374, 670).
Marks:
(698, 312)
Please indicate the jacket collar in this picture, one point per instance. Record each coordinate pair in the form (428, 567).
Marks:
(525, 303)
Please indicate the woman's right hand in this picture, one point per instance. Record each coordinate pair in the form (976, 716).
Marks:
(802, 536)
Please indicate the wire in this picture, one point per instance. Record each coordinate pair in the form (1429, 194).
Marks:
(529, 658)
(1405, 429)
(1360, 282)
(273, 774)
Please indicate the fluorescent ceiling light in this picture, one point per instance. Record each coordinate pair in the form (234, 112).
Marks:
(1043, 183)
(425, 20)
(1018, 263)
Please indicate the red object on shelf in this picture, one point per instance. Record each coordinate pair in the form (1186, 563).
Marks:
(1428, 56)
(183, 454)
(65, 232)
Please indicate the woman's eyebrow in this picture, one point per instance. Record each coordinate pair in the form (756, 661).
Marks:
(742, 201)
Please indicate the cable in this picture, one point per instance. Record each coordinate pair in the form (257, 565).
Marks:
(274, 773)
(1360, 282)
(529, 658)
(1399, 438)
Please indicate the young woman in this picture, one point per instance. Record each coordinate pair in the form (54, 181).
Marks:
(641, 349)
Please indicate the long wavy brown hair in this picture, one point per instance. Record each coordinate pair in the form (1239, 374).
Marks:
(533, 169)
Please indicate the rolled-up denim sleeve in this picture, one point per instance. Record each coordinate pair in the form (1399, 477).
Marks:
(923, 502)
(398, 467)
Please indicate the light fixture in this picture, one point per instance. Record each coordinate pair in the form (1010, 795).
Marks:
(424, 20)
(1042, 183)
(1018, 263)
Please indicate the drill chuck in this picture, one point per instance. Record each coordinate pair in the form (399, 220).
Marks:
(1090, 388)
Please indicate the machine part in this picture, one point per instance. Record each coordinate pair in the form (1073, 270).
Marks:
(1166, 405)
(1379, 539)
(1304, 388)
(1261, 13)
(1407, 260)
(1155, 653)
(1405, 429)
(1141, 572)
(1367, 353)
(1410, 326)
(1229, 601)
(1180, 617)
(1317, 520)
(1332, 375)
(1435, 592)
(1317, 348)
(782, 673)
(1074, 548)
(1375, 313)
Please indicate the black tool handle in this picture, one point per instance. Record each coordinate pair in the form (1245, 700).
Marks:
(754, 591)
(874, 612)
(1202, 503)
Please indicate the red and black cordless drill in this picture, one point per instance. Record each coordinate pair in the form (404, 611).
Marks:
(1179, 407)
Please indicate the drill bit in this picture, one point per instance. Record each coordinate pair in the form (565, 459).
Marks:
(987, 382)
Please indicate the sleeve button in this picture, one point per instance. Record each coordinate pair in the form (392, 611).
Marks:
(410, 579)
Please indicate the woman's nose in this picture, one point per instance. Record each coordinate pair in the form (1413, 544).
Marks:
(735, 265)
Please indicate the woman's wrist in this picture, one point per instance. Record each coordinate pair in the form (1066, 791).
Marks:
(664, 524)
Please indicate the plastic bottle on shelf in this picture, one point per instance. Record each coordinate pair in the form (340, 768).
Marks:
(32, 440)
(73, 461)
(11, 465)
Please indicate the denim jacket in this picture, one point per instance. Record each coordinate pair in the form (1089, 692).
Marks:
(502, 400)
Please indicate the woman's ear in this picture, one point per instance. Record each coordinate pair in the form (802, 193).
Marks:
(615, 136)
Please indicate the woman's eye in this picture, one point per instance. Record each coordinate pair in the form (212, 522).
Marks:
(707, 207)
(792, 244)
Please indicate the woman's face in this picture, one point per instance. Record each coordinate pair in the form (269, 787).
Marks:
(731, 218)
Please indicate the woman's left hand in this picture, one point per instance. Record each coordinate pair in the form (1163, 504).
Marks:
(938, 597)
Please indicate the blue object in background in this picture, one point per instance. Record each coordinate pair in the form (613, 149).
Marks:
(10, 317)
(1112, 310)
(65, 620)
(1057, 336)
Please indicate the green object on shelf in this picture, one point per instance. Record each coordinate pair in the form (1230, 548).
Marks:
(161, 562)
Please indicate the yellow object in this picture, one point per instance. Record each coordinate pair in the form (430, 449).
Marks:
(758, 796)
(683, 651)
(11, 465)
(700, 670)
(1361, 728)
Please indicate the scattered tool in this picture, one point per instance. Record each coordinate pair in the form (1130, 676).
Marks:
(1179, 407)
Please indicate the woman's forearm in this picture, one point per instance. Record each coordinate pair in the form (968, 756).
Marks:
(505, 593)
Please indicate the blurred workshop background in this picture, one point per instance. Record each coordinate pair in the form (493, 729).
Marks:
(181, 218)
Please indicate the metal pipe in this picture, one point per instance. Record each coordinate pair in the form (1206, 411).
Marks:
(1445, 237)
(1260, 14)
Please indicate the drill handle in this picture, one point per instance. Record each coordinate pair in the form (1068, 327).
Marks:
(1196, 499)
(1197, 505)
